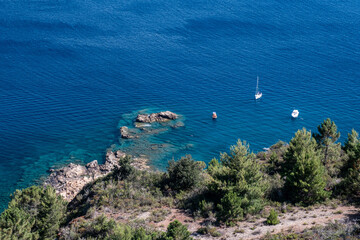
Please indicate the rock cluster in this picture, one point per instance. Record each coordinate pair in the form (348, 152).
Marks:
(69, 180)
(156, 117)
(125, 133)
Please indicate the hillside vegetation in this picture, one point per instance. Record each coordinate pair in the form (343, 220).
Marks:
(312, 169)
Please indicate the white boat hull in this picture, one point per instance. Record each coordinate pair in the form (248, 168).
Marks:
(295, 114)
(257, 96)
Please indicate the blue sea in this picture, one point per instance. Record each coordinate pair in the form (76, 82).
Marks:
(73, 72)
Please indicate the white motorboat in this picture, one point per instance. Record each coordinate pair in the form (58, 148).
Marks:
(258, 94)
(295, 113)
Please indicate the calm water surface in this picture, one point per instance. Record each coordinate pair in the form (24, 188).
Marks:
(72, 72)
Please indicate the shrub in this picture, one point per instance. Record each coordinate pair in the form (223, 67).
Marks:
(159, 215)
(276, 185)
(272, 218)
(177, 231)
(206, 208)
(125, 168)
(104, 228)
(184, 174)
(202, 231)
(209, 230)
(238, 230)
(230, 209)
(274, 163)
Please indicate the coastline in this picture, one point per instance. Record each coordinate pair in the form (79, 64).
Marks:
(150, 200)
(69, 180)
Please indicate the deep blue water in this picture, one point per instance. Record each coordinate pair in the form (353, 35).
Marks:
(71, 72)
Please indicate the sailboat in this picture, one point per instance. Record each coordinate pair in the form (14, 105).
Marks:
(258, 94)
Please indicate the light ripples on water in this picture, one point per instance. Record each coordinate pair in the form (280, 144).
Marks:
(70, 71)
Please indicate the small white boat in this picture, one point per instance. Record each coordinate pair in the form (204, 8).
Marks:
(258, 94)
(295, 113)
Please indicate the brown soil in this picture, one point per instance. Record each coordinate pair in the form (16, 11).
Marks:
(295, 221)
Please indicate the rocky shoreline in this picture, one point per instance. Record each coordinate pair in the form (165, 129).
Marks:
(69, 180)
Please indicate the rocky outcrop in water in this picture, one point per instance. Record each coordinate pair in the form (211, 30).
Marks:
(126, 133)
(69, 180)
(156, 117)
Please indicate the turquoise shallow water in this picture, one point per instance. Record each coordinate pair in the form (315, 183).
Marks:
(72, 72)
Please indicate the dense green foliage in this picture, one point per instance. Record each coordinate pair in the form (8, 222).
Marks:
(17, 224)
(230, 208)
(33, 213)
(304, 172)
(184, 174)
(351, 183)
(238, 184)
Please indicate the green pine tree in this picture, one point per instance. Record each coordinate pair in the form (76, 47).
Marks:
(16, 224)
(237, 175)
(352, 143)
(50, 215)
(352, 149)
(33, 213)
(326, 139)
(303, 170)
(351, 183)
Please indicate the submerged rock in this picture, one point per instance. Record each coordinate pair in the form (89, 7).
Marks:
(156, 117)
(142, 126)
(125, 133)
(178, 125)
(69, 180)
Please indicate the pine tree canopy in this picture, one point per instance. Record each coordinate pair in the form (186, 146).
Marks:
(304, 171)
(327, 132)
(237, 180)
